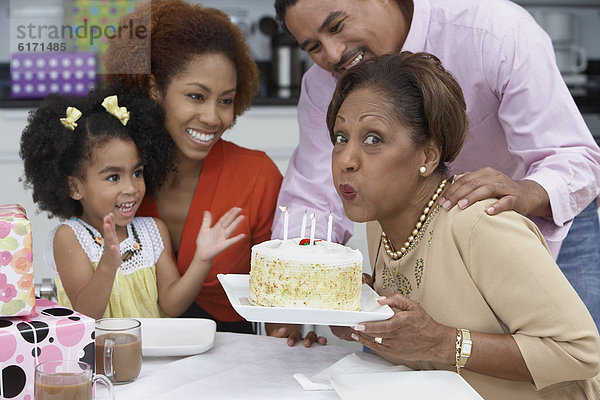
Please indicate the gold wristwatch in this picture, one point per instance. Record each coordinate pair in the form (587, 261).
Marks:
(465, 348)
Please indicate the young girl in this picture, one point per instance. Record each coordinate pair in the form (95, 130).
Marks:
(91, 160)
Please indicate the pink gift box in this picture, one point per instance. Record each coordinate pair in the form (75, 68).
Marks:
(52, 332)
(17, 291)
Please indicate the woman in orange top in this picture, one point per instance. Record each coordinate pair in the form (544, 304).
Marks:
(203, 76)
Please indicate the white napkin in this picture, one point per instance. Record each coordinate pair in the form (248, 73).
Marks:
(353, 363)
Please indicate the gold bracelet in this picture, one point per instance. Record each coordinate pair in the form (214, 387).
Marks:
(466, 345)
(458, 349)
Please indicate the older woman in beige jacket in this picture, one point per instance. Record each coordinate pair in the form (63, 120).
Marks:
(474, 293)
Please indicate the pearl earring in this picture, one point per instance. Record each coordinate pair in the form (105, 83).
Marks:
(77, 195)
(422, 169)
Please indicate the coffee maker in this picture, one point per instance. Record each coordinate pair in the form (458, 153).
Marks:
(286, 66)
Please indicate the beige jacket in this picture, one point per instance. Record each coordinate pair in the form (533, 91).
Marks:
(495, 274)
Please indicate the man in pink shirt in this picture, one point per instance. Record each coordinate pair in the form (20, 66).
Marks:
(527, 142)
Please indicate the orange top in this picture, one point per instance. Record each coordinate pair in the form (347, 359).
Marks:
(231, 176)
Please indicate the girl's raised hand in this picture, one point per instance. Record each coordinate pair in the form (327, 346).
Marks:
(213, 240)
(112, 252)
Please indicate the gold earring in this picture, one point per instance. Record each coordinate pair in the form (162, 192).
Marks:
(422, 169)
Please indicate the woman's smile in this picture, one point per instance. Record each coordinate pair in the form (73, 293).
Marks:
(199, 104)
(201, 137)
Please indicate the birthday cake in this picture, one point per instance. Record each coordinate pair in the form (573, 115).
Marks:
(294, 273)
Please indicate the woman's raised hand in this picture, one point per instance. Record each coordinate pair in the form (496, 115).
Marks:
(411, 334)
(213, 240)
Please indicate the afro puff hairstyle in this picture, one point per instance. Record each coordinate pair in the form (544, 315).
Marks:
(51, 152)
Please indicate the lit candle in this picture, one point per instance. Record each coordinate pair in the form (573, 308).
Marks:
(286, 221)
(329, 226)
(312, 228)
(303, 231)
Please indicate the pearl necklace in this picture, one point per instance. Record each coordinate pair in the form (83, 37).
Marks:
(389, 248)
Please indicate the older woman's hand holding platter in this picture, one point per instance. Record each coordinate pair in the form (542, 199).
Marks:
(410, 334)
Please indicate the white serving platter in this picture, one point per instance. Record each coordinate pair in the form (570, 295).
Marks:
(423, 385)
(176, 336)
(236, 288)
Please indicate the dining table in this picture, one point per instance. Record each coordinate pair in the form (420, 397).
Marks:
(247, 366)
(238, 366)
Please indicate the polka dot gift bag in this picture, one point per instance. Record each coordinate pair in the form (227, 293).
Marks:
(51, 333)
(17, 292)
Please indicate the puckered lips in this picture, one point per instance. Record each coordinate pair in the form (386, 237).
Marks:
(347, 192)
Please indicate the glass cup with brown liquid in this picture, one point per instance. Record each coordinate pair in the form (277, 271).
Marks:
(119, 349)
(67, 380)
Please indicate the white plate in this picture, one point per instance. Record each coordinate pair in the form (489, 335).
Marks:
(411, 384)
(236, 287)
(176, 336)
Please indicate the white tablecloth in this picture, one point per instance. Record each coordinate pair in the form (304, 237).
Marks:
(237, 367)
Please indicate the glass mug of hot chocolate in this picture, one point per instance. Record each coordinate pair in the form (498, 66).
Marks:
(119, 349)
(67, 380)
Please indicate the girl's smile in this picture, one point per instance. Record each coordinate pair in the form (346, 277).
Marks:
(127, 210)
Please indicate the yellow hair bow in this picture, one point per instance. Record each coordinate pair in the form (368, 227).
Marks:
(111, 105)
(73, 115)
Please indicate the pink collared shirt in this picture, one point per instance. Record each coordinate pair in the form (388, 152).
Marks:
(522, 118)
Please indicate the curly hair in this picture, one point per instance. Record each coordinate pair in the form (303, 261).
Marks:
(179, 31)
(51, 152)
(425, 96)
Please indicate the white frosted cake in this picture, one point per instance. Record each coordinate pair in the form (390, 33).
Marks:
(324, 275)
